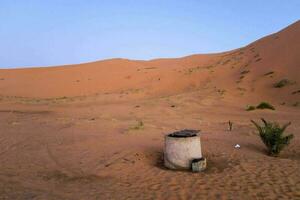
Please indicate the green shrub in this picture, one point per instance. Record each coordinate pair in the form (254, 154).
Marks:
(265, 105)
(282, 83)
(272, 136)
(262, 105)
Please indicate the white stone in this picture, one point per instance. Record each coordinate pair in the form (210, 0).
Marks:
(199, 165)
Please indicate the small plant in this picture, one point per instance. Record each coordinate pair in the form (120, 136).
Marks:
(230, 125)
(262, 105)
(241, 89)
(221, 91)
(272, 136)
(296, 92)
(265, 105)
(296, 104)
(249, 108)
(256, 55)
(259, 59)
(245, 72)
(282, 83)
(269, 73)
(138, 126)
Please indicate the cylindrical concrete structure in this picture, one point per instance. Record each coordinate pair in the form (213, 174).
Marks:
(181, 148)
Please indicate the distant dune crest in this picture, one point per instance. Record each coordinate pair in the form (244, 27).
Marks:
(249, 71)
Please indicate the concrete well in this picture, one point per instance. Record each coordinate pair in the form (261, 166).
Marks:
(181, 148)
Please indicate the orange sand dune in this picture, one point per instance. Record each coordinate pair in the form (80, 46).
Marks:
(75, 132)
(278, 52)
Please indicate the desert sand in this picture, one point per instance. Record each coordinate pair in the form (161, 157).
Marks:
(96, 130)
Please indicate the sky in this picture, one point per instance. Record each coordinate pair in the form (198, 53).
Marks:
(36, 33)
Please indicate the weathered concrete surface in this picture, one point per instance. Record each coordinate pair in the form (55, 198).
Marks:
(199, 165)
(180, 151)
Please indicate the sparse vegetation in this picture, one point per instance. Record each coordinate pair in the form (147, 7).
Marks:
(150, 68)
(226, 62)
(262, 105)
(138, 126)
(296, 92)
(245, 72)
(272, 136)
(192, 70)
(241, 89)
(296, 104)
(250, 107)
(230, 125)
(282, 83)
(265, 105)
(221, 91)
(269, 73)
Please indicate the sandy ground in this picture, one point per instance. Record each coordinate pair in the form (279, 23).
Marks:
(84, 150)
(74, 132)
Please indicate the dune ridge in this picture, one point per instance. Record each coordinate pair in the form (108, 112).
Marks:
(278, 53)
(96, 130)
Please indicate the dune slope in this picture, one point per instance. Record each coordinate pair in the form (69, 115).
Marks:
(254, 68)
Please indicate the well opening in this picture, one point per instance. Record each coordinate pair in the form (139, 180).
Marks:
(184, 133)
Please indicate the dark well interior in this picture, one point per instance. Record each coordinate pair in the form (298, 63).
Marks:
(184, 133)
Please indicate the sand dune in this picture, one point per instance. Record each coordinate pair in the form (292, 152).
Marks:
(73, 132)
(278, 53)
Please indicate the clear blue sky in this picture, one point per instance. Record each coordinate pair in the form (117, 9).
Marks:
(44, 33)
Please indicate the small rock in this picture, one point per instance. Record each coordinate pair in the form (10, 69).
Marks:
(237, 146)
(199, 164)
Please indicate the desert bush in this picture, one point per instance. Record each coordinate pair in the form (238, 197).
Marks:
(265, 105)
(269, 73)
(282, 83)
(262, 105)
(296, 104)
(296, 92)
(245, 72)
(138, 126)
(249, 108)
(272, 136)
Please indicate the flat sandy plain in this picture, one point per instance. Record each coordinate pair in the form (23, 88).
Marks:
(96, 130)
